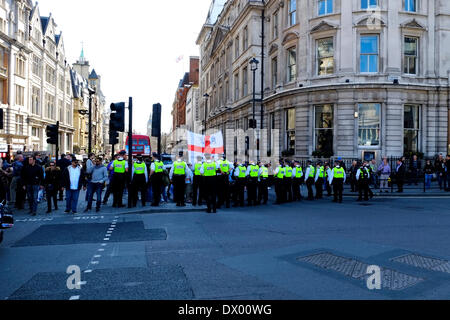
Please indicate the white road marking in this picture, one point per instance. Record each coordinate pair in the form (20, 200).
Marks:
(82, 283)
(94, 262)
(101, 250)
(104, 244)
(106, 239)
(88, 271)
(75, 298)
(97, 256)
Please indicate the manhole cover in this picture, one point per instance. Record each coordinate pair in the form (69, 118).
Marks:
(428, 263)
(352, 268)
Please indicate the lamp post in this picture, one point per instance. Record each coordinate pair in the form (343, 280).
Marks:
(206, 97)
(254, 66)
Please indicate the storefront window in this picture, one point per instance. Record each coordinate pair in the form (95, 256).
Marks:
(412, 128)
(369, 124)
(324, 128)
(290, 130)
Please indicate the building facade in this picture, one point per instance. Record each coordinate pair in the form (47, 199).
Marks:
(357, 78)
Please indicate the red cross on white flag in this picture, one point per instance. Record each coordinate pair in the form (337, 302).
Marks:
(199, 145)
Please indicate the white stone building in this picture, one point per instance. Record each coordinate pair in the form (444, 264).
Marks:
(193, 117)
(343, 78)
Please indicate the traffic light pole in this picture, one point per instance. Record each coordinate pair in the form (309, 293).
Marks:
(90, 124)
(130, 150)
(57, 142)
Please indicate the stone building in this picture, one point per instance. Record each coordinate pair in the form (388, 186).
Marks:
(357, 78)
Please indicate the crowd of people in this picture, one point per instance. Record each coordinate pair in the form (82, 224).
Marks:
(216, 183)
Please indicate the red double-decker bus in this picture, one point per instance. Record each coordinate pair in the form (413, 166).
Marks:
(140, 146)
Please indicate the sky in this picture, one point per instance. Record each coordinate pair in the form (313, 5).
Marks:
(133, 45)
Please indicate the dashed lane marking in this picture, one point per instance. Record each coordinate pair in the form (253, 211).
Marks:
(74, 298)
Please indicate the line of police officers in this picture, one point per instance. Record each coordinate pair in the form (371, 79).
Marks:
(217, 183)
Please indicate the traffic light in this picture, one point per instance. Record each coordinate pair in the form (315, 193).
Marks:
(117, 122)
(156, 120)
(1, 119)
(252, 124)
(113, 138)
(52, 134)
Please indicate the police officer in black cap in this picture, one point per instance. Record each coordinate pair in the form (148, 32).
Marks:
(156, 177)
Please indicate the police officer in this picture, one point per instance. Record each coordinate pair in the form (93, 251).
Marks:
(288, 181)
(240, 174)
(310, 175)
(327, 179)
(363, 178)
(178, 178)
(119, 178)
(223, 176)
(139, 181)
(209, 174)
(319, 180)
(156, 177)
(279, 175)
(253, 175)
(197, 187)
(297, 180)
(263, 184)
(337, 178)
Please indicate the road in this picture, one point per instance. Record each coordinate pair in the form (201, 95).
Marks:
(309, 250)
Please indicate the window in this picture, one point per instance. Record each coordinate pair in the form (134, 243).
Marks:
(21, 36)
(50, 75)
(292, 64)
(290, 130)
(369, 54)
(2, 25)
(325, 7)
(36, 101)
(369, 4)
(271, 132)
(324, 128)
(61, 111)
(245, 40)
(50, 106)
(35, 132)
(20, 66)
(20, 95)
(37, 66)
(325, 56)
(369, 124)
(68, 87)
(61, 82)
(410, 57)
(275, 26)
(292, 12)
(227, 91)
(19, 125)
(274, 72)
(236, 87)
(68, 114)
(236, 48)
(412, 128)
(410, 5)
(245, 82)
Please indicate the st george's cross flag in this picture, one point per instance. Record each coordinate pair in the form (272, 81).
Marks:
(199, 145)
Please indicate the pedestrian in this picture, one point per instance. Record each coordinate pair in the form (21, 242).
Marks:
(4, 182)
(400, 175)
(310, 175)
(337, 178)
(429, 172)
(209, 172)
(33, 180)
(240, 174)
(374, 178)
(119, 169)
(178, 179)
(319, 180)
(439, 167)
(15, 190)
(384, 171)
(252, 183)
(63, 164)
(414, 168)
(353, 171)
(139, 181)
(297, 181)
(327, 180)
(363, 178)
(110, 179)
(188, 182)
(52, 181)
(223, 174)
(74, 179)
(197, 183)
(263, 194)
(156, 178)
(99, 177)
(279, 175)
(287, 181)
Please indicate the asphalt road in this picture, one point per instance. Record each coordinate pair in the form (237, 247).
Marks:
(309, 250)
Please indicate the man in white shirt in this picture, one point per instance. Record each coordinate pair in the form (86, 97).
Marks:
(74, 180)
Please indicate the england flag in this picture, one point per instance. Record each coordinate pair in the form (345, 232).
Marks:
(199, 145)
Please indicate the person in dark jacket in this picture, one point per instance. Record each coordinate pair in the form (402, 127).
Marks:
(63, 164)
(414, 168)
(74, 179)
(353, 171)
(52, 182)
(439, 166)
(429, 171)
(32, 179)
(400, 175)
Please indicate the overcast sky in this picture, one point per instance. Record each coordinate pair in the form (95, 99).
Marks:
(133, 45)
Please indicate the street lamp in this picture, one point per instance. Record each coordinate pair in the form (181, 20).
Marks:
(254, 66)
(206, 96)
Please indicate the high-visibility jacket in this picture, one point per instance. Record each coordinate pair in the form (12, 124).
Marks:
(224, 166)
(288, 171)
(159, 166)
(139, 168)
(363, 174)
(339, 173)
(312, 172)
(197, 169)
(322, 172)
(298, 172)
(119, 166)
(281, 173)
(265, 172)
(242, 172)
(254, 171)
(179, 168)
(209, 169)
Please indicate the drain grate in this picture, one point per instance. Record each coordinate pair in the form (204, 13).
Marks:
(422, 262)
(391, 279)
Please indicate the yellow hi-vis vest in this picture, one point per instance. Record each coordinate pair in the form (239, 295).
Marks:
(321, 172)
(254, 171)
(298, 172)
(339, 173)
(119, 166)
(288, 171)
(197, 169)
(209, 169)
(139, 168)
(225, 166)
(179, 168)
(281, 173)
(242, 172)
(265, 172)
(312, 172)
(159, 166)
